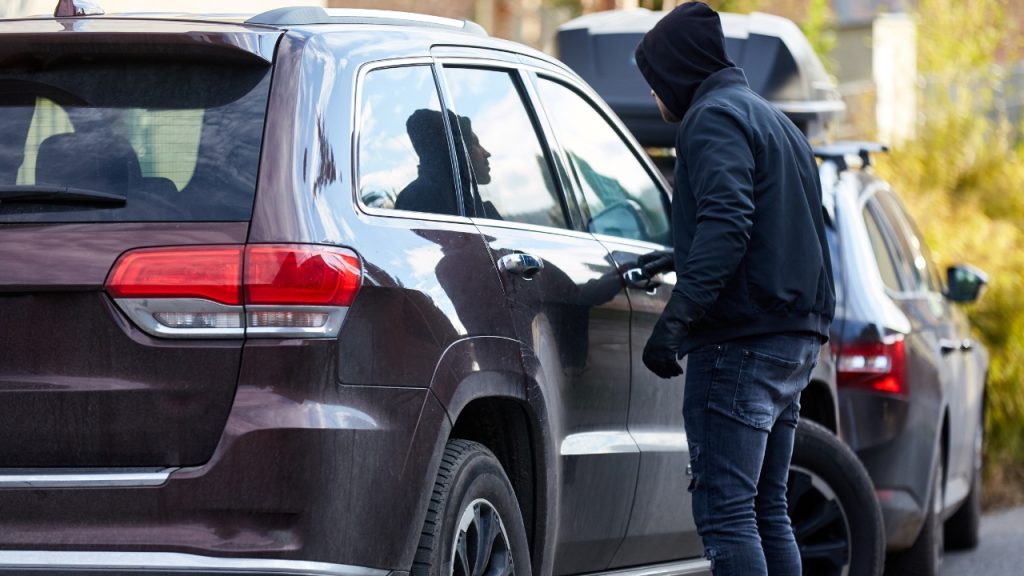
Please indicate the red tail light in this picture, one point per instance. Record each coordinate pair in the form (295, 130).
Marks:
(199, 291)
(207, 272)
(878, 366)
(301, 275)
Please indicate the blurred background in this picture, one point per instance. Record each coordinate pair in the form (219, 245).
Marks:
(942, 81)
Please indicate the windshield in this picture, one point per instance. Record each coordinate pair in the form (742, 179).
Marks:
(177, 141)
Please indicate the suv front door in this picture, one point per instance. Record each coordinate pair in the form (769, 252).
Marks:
(626, 207)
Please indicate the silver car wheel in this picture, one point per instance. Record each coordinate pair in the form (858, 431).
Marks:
(481, 546)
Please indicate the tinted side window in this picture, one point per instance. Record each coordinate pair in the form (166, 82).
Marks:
(924, 273)
(882, 250)
(404, 153)
(832, 237)
(511, 175)
(619, 197)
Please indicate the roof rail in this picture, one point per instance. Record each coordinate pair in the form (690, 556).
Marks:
(838, 151)
(300, 15)
(291, 16)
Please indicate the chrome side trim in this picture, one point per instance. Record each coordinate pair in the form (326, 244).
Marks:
(684, 568)
(640, 244)
(594, 443)
(163, 562)
(410, 215)
(485, 222)
(83, 478)
(661, 441)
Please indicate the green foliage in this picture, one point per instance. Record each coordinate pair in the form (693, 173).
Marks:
(963, 179)
(737, 6)
(818, 27)
(958, 37)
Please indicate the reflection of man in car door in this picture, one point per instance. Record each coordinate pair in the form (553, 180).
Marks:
(753, 298)
(478, 155)
(431, 191)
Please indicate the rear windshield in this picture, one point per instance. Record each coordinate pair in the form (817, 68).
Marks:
(87, 141)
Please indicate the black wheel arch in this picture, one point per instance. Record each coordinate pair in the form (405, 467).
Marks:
(818, 404)
(486, 388)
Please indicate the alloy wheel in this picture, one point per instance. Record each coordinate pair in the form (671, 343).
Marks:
(820, 524)
(481, 546)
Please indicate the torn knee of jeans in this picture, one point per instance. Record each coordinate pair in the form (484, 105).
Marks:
(711, 553)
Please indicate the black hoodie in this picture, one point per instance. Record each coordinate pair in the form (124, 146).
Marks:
(680, 52)
(748, 228)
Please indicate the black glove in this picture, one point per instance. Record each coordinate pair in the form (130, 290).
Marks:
(654, 263)
(662, 349)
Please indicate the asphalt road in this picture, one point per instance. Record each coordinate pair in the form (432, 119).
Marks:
(1000, 553)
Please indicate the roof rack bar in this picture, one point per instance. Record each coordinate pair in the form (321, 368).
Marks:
(838, 151)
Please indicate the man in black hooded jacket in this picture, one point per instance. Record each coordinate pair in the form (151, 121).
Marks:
(754, 295)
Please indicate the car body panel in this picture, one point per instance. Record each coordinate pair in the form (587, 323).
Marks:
(266, 492)
(262, 489)
(571, 316)
(95, 391)
(661, 525)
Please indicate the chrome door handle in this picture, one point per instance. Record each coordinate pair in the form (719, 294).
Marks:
(635, 278)
(948, 346)
(521, 264)
(966, 344)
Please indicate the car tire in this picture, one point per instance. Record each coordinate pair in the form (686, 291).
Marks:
(924, 557)
(472, 505)
(962, 528)
(833, 508)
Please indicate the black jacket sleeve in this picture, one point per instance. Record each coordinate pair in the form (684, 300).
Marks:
(719, 154)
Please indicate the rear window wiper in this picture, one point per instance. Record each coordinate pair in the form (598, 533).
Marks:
(54, 194)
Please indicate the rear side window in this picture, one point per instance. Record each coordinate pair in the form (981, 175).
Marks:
(882, 249)
(920, 264)
(404, 152)
(619, 196)
(511, 175)
(832, 237)
(93, 141)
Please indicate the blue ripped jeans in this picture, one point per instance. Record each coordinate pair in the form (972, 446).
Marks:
(741, 407)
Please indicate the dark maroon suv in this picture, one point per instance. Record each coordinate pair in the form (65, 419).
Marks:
(339, 293)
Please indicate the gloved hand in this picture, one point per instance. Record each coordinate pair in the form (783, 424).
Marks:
(662, 347)
(654, 263)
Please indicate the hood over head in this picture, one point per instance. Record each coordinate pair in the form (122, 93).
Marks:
(680, 52)
(427, 133)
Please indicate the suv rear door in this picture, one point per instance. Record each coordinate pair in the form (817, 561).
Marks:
(963, 382)
(115, 141)
(566, 301)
